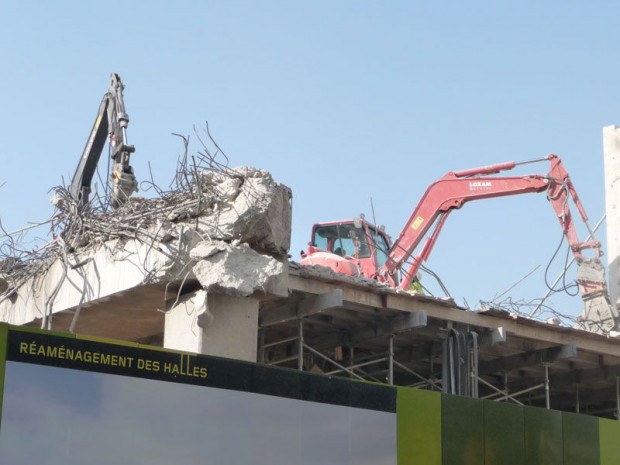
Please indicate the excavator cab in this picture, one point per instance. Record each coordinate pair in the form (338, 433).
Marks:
(354, 247)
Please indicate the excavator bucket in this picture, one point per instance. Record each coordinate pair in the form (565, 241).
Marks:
(124, 184)
(599, 315)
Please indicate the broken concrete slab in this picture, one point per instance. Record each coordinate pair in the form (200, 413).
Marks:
(237, 270)
(250, 207)
(90, 275)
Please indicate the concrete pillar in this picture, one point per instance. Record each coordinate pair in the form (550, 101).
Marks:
(611, 150)
(213, 324)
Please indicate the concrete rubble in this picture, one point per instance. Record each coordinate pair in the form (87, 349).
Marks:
(236, 269)
(231, 233)
(250, 208)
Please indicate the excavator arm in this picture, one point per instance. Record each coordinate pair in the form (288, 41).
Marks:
(111, 121)
(454, 189)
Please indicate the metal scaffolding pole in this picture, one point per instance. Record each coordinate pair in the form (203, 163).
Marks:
(504, 394)
(283, 360)
(261, 346)
(280, 342)
(264, 346)
(300, 350)
(513, 395)
(617, 400)
(351, 355)
(577, 406)
(497, 390)
(547, 394)
(391, 361)
(350, 368)
(316, 352)
(473, 373)
(424, 384)
(374, 356)
(426, 381)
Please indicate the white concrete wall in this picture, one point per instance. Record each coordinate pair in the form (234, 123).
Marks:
(611, 148)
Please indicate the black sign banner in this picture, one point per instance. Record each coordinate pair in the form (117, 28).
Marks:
(82, 354)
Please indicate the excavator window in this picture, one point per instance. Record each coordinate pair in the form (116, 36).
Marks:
(320, 239)
(381, 246)
(341, 239)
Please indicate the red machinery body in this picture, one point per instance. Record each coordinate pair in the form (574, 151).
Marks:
(352, 247)
(369, 254)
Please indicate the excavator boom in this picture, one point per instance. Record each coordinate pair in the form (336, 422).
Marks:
(453, 190)
(111, 121)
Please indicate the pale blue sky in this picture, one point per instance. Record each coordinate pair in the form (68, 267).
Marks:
(341, 101)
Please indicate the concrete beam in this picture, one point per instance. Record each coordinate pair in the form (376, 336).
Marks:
(493, 336)
(310, 306)
(435, 348)
(448, 311)
(534, 357)
(394, 325)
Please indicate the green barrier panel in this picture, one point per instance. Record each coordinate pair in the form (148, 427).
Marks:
(462, 430)
(543, 436)
(609, 435)
(504, 437)
(581, 440)
(419, 427)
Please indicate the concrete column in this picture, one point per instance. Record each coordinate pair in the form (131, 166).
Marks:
(213, 324)
(611, 149)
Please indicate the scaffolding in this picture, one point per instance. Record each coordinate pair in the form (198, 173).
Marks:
(324, 333)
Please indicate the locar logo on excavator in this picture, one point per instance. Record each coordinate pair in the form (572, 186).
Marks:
(473, 185)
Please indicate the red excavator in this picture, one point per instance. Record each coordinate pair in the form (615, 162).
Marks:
(359, 248)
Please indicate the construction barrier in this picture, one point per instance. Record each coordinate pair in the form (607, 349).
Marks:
(68, 399)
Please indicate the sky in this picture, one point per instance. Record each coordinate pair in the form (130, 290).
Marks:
(342, 101)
